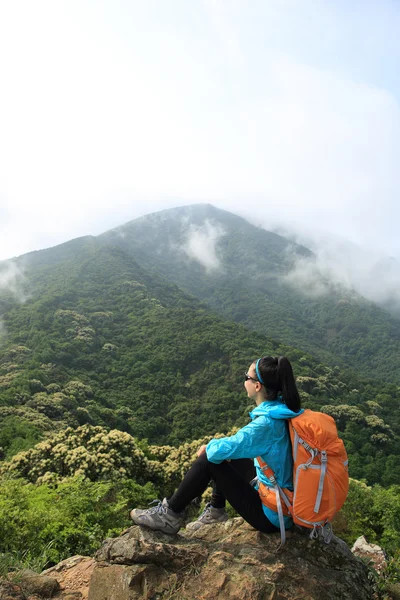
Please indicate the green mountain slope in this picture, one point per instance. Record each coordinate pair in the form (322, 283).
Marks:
(153, 360)
(103, 341)
(245, 280)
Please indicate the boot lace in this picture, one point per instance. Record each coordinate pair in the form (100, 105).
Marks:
(206, 512)
(158, 509)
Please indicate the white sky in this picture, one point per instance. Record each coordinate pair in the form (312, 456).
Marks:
(283, 110)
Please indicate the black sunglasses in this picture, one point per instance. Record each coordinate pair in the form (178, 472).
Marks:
(247, 377)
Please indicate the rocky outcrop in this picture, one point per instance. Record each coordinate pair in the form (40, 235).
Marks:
(370, 552)
(226, 561)
(37, 585)
(229, 561)
(73, 576)
(11, 591)
(69, 580)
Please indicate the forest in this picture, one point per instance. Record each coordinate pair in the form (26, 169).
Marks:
(111, 376)
(266, 282)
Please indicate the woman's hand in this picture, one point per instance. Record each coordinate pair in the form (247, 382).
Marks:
(201, 450)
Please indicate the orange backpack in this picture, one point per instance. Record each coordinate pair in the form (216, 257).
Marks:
(320, 476)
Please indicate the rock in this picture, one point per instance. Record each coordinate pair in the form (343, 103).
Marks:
(35, 584)
(229, 561)
(73, 576)
(122, 582)
(139, 545)
(11, 591)
(224, 561)
(372, 552)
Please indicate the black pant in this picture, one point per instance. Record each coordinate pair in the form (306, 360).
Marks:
(231, 481)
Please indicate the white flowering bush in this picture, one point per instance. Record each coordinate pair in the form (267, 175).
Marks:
(95, 454)
(176, 461)
(89, 452)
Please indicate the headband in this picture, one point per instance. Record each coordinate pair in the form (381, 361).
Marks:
(258, 372)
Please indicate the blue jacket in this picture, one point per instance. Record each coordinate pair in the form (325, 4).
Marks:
(267, 436)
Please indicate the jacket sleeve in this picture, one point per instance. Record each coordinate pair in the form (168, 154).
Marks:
(249, 442)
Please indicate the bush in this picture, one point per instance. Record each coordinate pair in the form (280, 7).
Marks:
(373, 512)
(70, 518)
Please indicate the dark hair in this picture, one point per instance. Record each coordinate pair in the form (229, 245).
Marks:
(276, 375)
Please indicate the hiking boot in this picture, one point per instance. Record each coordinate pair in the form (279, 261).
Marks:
(159, 518)
(208, 516)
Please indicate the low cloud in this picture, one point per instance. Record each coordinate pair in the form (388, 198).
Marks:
(338, 264)
(309, 279)
(201, 245)
(12, 280)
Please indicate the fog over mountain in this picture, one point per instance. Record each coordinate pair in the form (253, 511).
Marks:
(201, 245)
(11, 279)
(259, 279)
(334, 262)
(340, 263)
(12, 282)
(274, 110)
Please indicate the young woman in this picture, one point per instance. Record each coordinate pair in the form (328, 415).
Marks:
(270, 383)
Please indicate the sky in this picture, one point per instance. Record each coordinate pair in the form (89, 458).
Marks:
(285, 112)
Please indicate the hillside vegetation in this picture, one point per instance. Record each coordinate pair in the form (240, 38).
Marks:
(248, 275)
(111, 377)
(103, 342)
(93, 477)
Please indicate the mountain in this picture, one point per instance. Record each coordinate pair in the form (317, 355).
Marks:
(251, 276)
(105, 341)
(266, 282)
(142, 348)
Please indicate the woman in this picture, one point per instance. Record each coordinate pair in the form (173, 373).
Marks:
(270, 383)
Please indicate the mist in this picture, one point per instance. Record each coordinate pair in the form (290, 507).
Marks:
(201, 245)
(339, 264)
(253, 110)
(12, 280)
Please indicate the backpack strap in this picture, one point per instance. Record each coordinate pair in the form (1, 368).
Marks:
(266, 469)
(280, 495)
(280, 515)
(324, 464)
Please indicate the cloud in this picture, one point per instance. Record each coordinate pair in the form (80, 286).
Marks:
(328, 148)
(218, 13)
(307, 277)
(280, 111)
(201, 245)
(338, 264)
(12, 280)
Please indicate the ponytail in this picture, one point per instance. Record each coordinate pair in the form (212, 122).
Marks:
(289, 390)
(276, 375)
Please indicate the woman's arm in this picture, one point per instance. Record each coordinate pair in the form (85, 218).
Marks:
(249, 442)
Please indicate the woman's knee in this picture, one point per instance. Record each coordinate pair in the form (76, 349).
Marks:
(203, 463)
